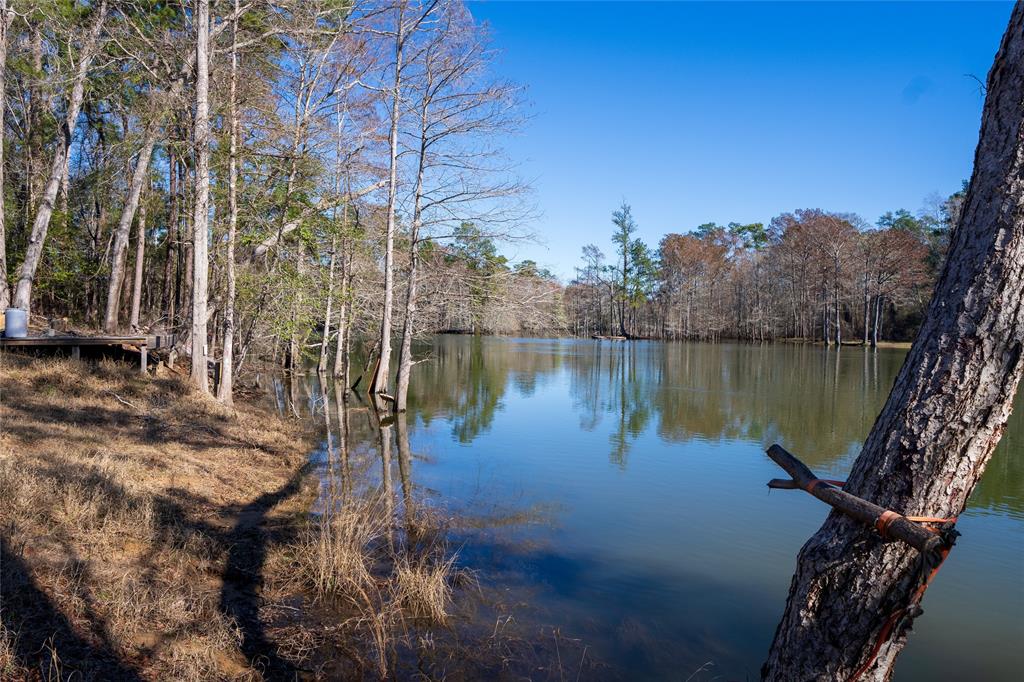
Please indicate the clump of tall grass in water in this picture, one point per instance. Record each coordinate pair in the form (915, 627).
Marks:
(382, 580)
(424, 587)
(334, 554)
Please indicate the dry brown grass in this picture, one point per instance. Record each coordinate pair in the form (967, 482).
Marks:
(128, 507)
(148, 533)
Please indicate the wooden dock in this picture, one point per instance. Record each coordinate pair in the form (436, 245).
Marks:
(75, 343)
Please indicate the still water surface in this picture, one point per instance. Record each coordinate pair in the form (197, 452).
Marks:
(619, 496)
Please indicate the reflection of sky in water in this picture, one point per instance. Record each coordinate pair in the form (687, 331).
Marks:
(656, 541)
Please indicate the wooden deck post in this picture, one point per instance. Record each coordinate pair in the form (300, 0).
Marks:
(76, 352)
(143, 358)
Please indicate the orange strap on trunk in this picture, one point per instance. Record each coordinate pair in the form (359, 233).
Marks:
(882, 525)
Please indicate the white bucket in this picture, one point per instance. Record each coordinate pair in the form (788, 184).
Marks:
(16, 323)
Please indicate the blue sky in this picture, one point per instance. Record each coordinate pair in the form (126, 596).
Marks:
(697, 112)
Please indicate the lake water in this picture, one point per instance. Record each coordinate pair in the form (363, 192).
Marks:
(617, 498)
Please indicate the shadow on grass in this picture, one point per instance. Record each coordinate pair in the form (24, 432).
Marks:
(242, 578)
(47, 643)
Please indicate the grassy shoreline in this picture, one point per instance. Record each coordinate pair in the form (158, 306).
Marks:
(135, 517)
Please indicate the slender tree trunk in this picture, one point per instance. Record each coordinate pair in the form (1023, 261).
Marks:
(867, 313)
(339, 123)
(227, 369)
(409, 324)
(120, 250)
(878, 314)
(838, 312)
(34, 252)
(943, 418)
(325, 341)
(140, 255)
(200, 220)
(379, 382)
(6, 18)
(341, 346)
(171, 256)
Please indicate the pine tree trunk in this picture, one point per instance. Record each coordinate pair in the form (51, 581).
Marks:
(34, 252)
(200, 221)
(943, 418)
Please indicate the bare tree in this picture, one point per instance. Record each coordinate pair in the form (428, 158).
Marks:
(455, 107)
(944, 416)
(379, 380)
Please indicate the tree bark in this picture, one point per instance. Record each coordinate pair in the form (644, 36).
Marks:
(200, 221)
(140, 255)
(942, 420)
(34, 252)
(227, 370)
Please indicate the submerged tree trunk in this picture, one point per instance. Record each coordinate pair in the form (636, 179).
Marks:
(409, 324)
(878, 314)
(341, 349)
(34, 252)
(200, 220)
(325, 341)
(379, 382)
(942, 420)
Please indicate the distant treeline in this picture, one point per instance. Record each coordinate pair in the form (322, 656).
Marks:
(810, 274)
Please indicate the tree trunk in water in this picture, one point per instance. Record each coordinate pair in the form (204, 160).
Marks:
(140, 255)
(379, 382)
(340, 358)
(124, 225)
(839, 329)
(227, 359)
(325, 341)
(942, 420)
(6, 18)
(200, 260)
(867, 316)
(409, 325)
(34, 252)
(405, 350)
(878, 314)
